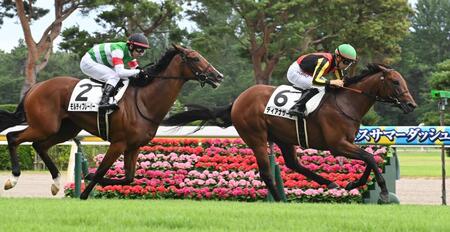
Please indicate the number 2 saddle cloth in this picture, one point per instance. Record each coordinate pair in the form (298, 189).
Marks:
(283, 99)
(87, 93)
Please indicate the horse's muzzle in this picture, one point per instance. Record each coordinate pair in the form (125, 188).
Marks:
(214, 79)
(407, 107)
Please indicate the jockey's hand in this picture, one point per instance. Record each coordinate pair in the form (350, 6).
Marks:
(142, 74)
(337, 83)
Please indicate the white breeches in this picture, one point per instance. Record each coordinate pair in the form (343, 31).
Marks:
(300, 79)
(98, 71)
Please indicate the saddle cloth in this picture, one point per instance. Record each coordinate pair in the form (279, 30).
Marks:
(285, 96)
(87, 93)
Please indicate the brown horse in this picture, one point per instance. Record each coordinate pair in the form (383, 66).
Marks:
(333, 126)
(133, 125)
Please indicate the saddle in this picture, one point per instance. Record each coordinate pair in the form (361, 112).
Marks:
(283, 98)
(86, 96)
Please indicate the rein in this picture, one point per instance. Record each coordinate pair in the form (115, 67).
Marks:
(393, 100)
(139, 110)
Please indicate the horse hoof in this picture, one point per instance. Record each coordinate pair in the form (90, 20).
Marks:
(54, 189)
(350, 186)
(84, 196)
(389, 198)
(384, 198)
(332, 185)
(8, 185)
(11, 182)
(56, 185)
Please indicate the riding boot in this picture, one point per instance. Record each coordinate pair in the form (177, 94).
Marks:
(300, 105)
(104, 102)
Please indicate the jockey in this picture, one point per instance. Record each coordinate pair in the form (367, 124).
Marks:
(105, 63)
(308, 71)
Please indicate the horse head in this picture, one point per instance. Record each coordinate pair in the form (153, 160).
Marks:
(384, 84)
(196, 65)
(394, 90)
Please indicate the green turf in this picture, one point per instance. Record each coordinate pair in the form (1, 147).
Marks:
(176, 215)
(421, 164)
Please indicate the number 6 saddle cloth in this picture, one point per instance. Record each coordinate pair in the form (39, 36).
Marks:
(283, 98)
(87, 93)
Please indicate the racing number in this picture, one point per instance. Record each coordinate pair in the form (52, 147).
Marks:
(281, 99)
(80, 96)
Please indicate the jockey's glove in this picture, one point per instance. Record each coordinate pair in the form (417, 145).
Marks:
(143, 74)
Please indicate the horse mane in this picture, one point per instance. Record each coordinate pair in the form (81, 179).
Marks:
(371, 69)
(155, 69)
(163, 62)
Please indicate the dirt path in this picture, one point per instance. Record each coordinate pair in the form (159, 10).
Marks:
(410, 191)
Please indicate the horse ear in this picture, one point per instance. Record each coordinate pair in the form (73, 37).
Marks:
(383, 68)
(176, 47)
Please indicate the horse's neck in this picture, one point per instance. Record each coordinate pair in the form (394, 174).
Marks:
(157, 98)
(358, 104)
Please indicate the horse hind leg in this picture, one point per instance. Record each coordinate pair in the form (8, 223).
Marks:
(15, 166)
(265, 172)
(15, 138)
(290, 158)
(67, 131)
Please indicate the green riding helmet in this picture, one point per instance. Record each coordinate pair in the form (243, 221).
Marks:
(347, 51)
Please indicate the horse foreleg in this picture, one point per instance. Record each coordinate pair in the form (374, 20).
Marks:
(114, 151)
(130, 158)
(354, 152)
(290, 158)
(361, 181)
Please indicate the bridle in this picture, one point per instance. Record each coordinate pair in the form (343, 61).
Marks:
(394, 100)
(202, 76)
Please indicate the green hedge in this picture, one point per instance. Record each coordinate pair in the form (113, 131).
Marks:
(59, 154)
(8, 107)
(26, 157)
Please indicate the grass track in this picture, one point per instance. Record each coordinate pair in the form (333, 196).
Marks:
(421, 164)
(176, 215)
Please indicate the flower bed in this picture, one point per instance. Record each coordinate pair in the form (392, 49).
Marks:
(224, 169)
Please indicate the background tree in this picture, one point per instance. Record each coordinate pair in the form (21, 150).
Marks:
(40, 51)
(427, 44)
(439, 80)
(124, 18)
(270, 31)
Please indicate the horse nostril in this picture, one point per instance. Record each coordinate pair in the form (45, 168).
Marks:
(412, 105)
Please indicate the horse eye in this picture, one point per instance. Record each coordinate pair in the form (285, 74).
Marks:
(396, 82)
(195, 59)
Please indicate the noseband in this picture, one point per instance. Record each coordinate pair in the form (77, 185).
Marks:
(200, 75)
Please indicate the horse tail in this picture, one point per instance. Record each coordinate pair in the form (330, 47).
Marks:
(8, 119)
(219, 116)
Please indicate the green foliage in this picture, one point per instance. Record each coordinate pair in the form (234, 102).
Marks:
(8, 107)
(8, 9)
(122, 18)
(285, 29)
(371, 118)
(440, 78)
(427, 45)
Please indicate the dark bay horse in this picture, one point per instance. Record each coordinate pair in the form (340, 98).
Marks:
(133, 125)
(332, 127)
